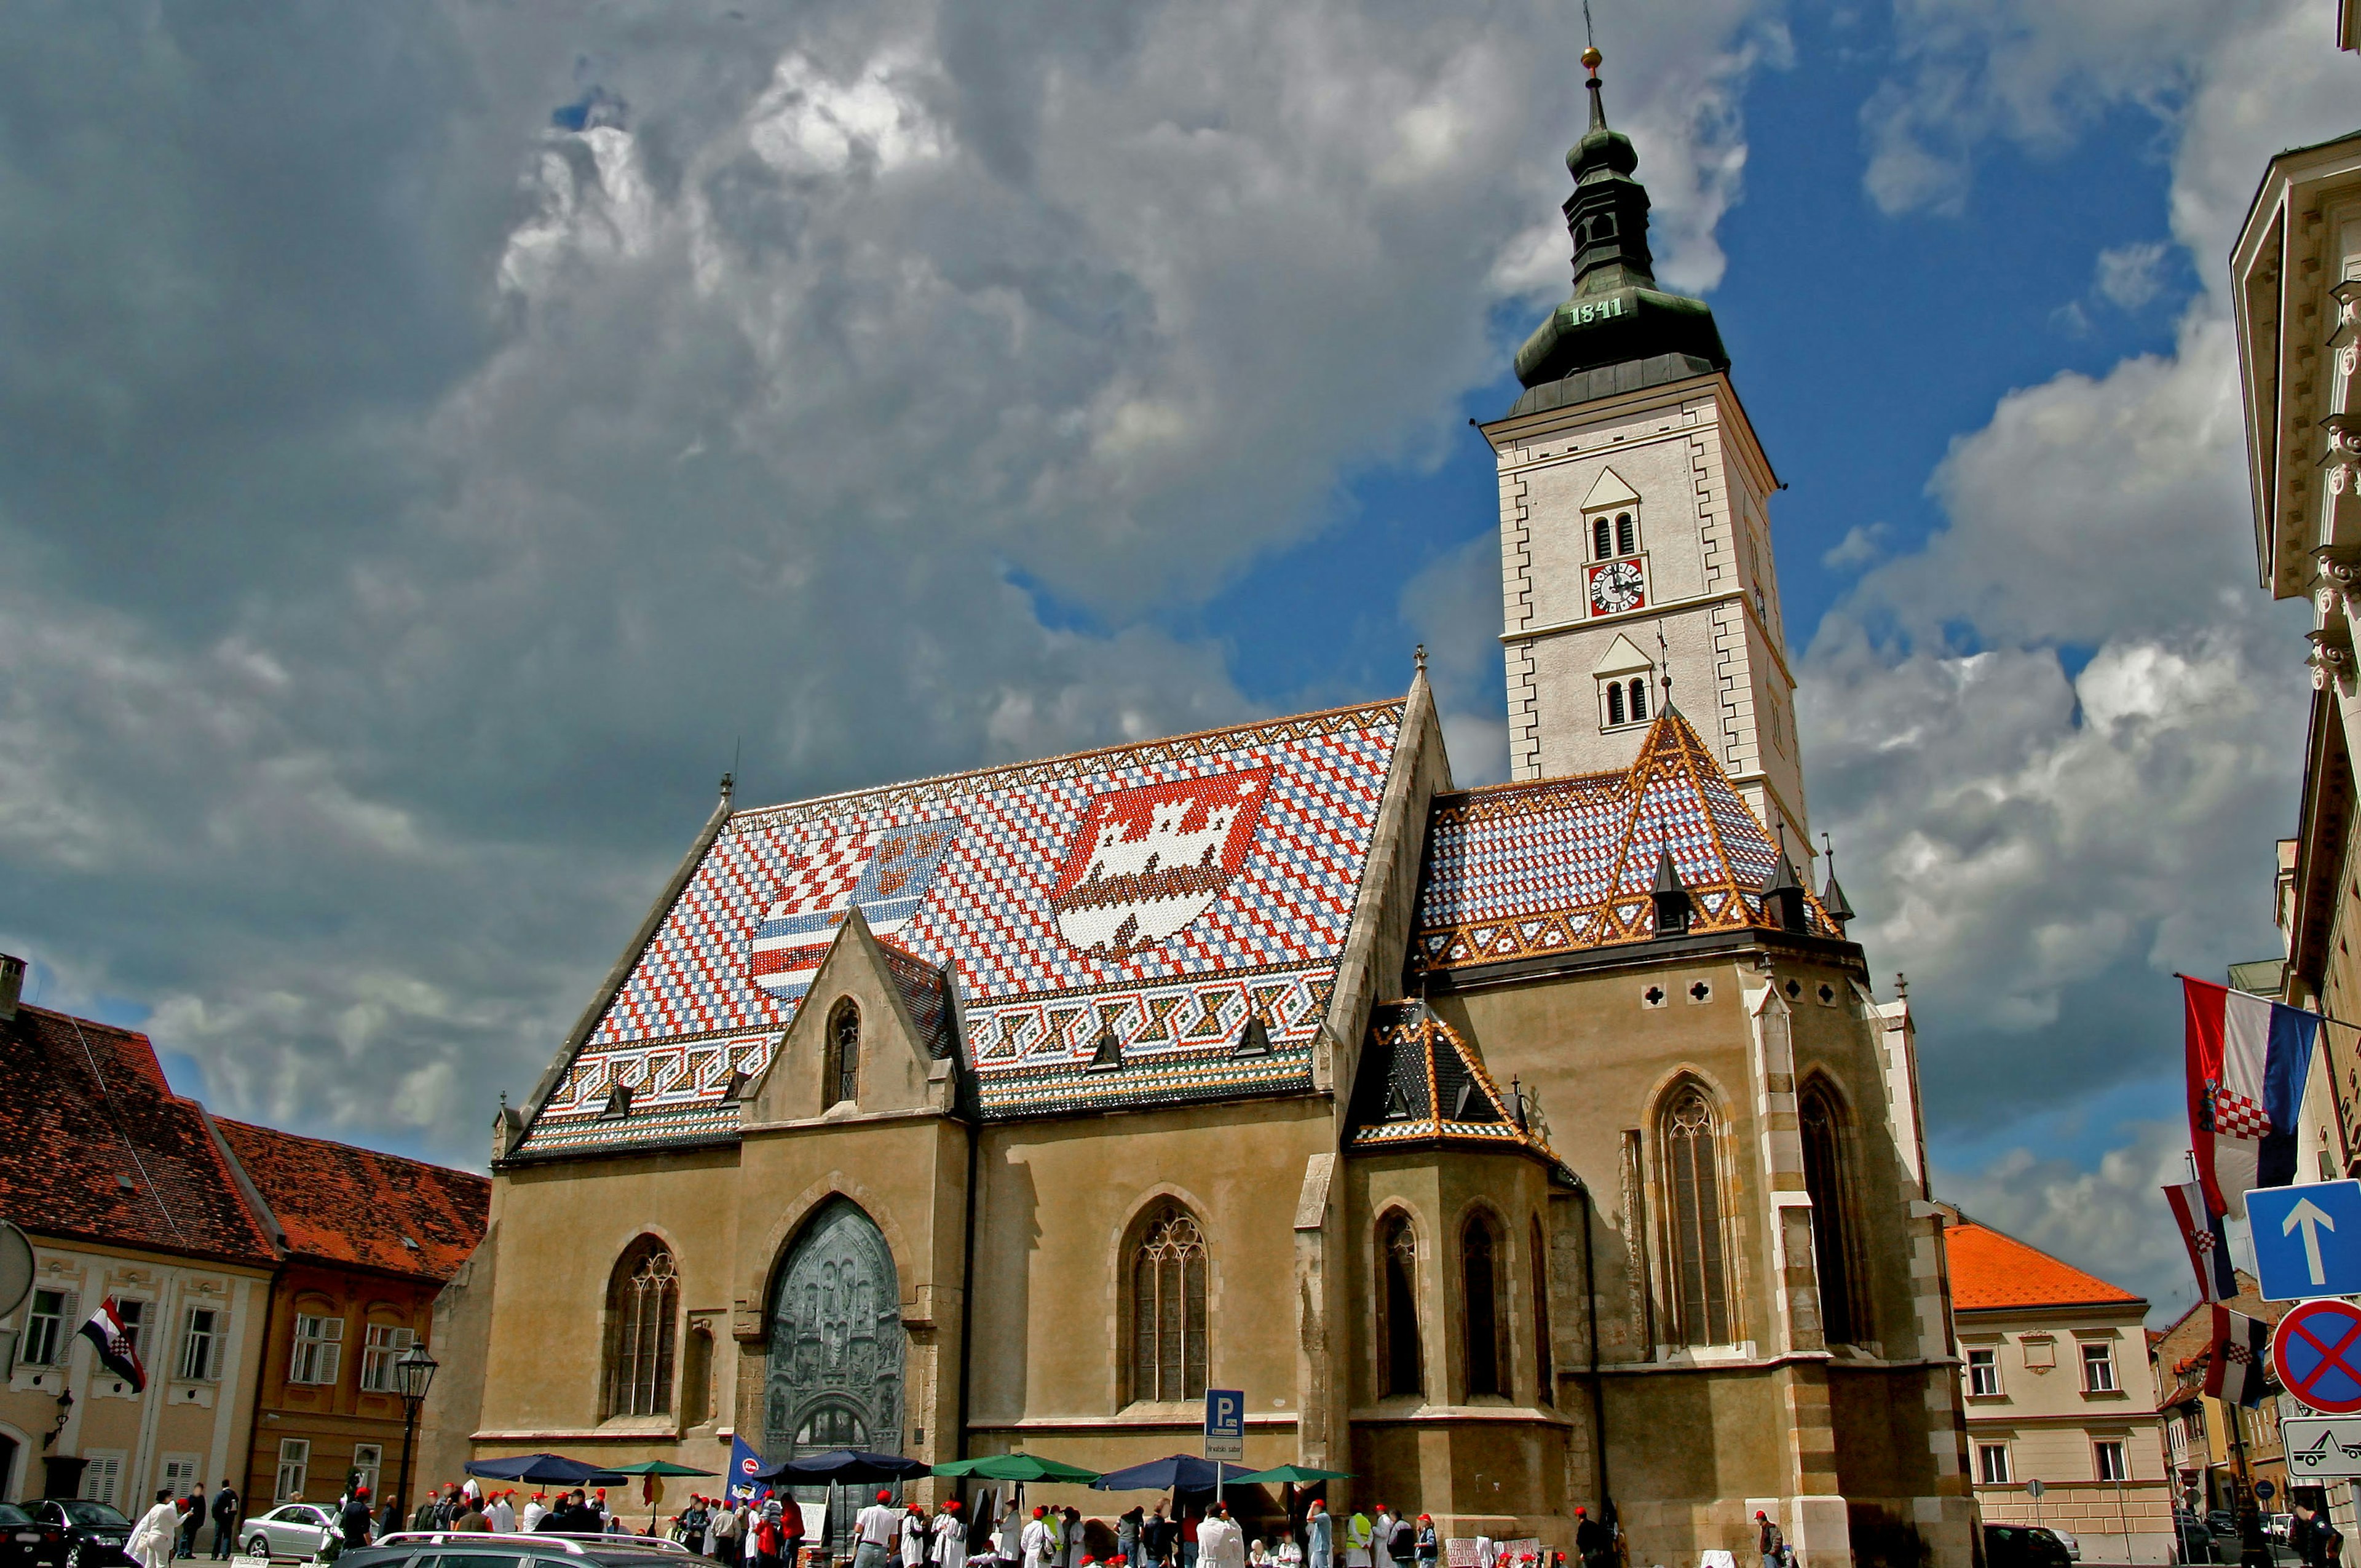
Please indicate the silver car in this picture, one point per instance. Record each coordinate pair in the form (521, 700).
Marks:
(290, 1530)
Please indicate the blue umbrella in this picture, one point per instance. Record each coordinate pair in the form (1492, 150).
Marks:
(552, 1469)
(1173, 1473)
(844, 1466)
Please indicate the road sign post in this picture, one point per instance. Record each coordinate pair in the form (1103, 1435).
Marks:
(2307, 1240)
(1225, 1424)
(2316, 1351)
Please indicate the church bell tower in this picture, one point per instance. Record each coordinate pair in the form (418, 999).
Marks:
(1635, 532)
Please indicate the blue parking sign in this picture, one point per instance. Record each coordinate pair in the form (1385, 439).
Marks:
(1226, 1423)
(2307, 1239)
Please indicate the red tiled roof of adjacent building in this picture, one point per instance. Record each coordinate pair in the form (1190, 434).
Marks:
(1992, 1269)
(352, 1206)
(99, 1147)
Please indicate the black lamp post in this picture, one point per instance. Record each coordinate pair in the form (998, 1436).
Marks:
(413, 1374)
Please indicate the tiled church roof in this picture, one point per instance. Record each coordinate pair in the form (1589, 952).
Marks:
(1560, 865)
(1168, 892)
(1421, 1083)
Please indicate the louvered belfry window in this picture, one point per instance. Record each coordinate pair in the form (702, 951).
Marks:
(643, 1305)
(1693, 1187)
(1168, 1307)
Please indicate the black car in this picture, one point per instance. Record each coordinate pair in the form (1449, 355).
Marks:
(26, 1542)
(461, 1549)
(2024, 1546)
(94, 1533)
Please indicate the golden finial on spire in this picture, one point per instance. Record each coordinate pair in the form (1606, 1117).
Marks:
(1591, 57)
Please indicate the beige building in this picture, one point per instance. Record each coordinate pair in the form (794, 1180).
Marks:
(1515, 1148)
(2054, 1367)
(127, 1193)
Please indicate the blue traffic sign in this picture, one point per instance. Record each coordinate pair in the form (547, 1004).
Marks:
(2307, 1239)
(1226, 1423)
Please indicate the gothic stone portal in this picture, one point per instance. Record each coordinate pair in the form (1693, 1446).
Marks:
(835, 1374)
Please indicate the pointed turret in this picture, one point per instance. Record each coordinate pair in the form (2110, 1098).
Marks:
(1832, 898)
(1783, 896)
(1671, 898)
(1618, 318)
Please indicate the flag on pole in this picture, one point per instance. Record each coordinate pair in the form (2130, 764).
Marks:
(104, 1330)
(743, 1463)
(2242, 1354)
(2202, 1232)
(2247, 1057)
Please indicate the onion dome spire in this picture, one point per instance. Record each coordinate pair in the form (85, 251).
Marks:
(1617, 318)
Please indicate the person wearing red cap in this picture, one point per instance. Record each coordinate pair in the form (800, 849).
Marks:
(877, 1530)
(913, 1538)
(1040, 1541)
(949, 1536)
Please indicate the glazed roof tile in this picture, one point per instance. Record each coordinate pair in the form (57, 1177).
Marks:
(99, 1148)
(1168, 892)
(339, 1204)
(1522, 870)
(1992, 1269)
(1421, 1083)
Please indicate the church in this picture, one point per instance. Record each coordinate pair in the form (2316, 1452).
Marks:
(1516, 1149)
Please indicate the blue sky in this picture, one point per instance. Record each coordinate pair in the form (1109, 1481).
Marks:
(414, 501)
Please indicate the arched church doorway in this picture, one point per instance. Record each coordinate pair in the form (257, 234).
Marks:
(835, 1374)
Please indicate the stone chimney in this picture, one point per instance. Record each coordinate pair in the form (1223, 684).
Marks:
(11, 985)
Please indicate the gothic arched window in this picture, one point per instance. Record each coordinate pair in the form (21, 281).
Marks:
(1602, 538)
(643, 1308)
(1544, 1370)
(1626, 534)
(1700, 1280)
(1822, 1121)
(1168, 1307)
(1398, 1356)
(1480, 1307)
(843, 1071)
(1639, 699)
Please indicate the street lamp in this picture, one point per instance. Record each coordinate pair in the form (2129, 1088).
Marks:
(413, 1374)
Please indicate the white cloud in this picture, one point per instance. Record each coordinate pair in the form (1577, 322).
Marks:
(2130, 275)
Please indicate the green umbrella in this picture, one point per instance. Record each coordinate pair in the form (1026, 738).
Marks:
(648, 1467)
(1016, 1467)
(1299, 1475)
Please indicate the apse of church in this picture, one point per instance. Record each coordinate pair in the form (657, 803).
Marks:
(1515, 1148)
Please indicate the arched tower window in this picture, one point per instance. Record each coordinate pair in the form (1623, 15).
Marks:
(1639, 699)
(843, 1072)
(642, 1310)
(1479, 1271)
(1614, 702)
(1822, 1119)
(1602, 538)
(1626, 534)
(1544, 1368)
(1700, 1278)
(1168, 1307)
(1398, 1369)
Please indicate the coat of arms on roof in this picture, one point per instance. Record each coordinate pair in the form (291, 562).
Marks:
(884, 874)
(1149, 861)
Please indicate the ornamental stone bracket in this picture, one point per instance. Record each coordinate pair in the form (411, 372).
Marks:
(2331, 660)
(2336, 592)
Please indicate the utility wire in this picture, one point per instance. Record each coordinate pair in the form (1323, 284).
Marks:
(115, 1115)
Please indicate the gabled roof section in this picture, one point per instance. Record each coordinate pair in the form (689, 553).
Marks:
(1168, 892)
(1421, 1083)
(99, 1148)
(1993, 1270)
(342, 1205)
(1563, 865)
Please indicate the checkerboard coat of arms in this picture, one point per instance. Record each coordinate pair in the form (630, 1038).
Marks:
(1149, 861)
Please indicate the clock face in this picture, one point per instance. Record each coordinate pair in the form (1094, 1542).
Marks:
(1617, 586)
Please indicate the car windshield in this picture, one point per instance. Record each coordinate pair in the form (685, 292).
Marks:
(11, 1513)
(84, 1512)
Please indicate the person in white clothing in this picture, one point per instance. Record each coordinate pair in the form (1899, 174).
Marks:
(1039, 1542)
(950, 1536)
(1381, 1540)
(1220, 1544)
(914, 1536)
(1009, 1543)
(150, 1543)
(876, 1530)
(502, 1517)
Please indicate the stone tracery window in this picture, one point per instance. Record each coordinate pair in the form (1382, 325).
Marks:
(843, 1069)
(1399, 1368)
(1168, 1307)
(1699, 1269)
(642, 1312)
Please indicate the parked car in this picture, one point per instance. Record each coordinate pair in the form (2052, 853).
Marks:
(456, 1548)
(2024, 1546)
(26, 1542)
(290, 1530)
(2073, 1547)
(94, 1533)
(2276, 1526)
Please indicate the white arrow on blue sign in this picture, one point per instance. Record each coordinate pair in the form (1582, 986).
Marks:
(2307, 1239)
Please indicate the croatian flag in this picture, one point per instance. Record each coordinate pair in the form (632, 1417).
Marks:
(2202, 1233)
(104, 1330)
(744, 1462)
(2241, 1355)
(2247, 1058)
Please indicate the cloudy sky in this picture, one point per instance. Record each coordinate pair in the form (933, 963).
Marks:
(435, 440)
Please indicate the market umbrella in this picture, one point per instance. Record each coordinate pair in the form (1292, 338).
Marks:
(549, 1469)
(843, 1466)
(1173, 1473)
(1016, 1467)
(1294, 1474)
(648, 1470)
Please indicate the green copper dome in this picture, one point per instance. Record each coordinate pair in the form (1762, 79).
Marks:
(1618, 318)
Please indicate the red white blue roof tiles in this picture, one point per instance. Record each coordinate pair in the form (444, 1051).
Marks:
(1561, 865)
(1166, 893)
